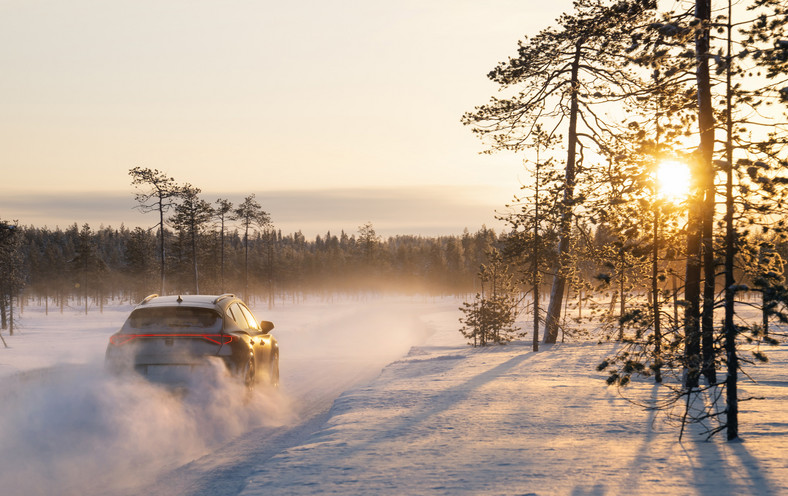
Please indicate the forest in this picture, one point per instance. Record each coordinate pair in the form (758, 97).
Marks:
(59, 265)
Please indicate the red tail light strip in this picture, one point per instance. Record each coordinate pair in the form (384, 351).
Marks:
(220, 339)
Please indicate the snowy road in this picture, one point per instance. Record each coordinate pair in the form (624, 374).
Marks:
(65, 428)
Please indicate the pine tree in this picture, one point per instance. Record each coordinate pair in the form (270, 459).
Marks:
(159, 196)
(251, 216)
(11, 275)
(758, 186)
(490, 318)
(561, 75)
(532, 223)
(222, 211)
(140, 253)
(87, 264)
(192, 215)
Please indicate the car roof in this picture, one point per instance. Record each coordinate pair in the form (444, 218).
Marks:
(202, 301)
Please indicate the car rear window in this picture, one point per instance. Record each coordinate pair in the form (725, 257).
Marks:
(174, 319)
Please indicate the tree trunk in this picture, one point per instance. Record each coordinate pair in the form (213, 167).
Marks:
(732, 399)
(535, 276)
(3, 315)
(194, 260)
(221, 243)
(271, 253)
(706, 169)
(622, 303)
(559, 280)
(655, 298)
(697, 208)
(86, 284)
(765, 300)
(161, 241)
(11, 312)
(246, 263)
(536, 318)
(692, 298)
(675, 301)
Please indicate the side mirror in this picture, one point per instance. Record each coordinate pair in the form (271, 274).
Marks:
(266, 326)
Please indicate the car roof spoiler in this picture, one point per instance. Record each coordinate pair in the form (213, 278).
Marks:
(148, 298)
(221, 297)
(217, 300)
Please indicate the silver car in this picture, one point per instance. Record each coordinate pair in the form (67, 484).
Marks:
(167, 338)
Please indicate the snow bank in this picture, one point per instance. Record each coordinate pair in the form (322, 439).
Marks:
(448, 419)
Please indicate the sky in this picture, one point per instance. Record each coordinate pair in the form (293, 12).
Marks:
(333, 113)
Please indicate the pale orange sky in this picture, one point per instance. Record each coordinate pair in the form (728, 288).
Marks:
(297, 99)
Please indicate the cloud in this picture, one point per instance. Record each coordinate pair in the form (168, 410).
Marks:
(64, 209)
(424, 210)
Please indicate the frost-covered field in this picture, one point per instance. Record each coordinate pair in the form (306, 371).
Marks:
(441, 418)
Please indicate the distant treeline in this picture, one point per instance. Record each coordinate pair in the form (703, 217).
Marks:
(125, 262)
(93, 266)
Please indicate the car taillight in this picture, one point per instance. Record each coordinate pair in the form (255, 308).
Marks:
(119, 339)
(220, 339)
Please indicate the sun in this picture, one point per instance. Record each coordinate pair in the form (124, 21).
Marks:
(673, 180)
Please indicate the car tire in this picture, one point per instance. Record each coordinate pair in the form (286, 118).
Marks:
(249, 376)
(273, 375)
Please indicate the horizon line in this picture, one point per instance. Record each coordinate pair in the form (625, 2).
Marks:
(404, 210)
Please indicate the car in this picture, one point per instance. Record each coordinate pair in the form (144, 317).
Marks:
(166, 339)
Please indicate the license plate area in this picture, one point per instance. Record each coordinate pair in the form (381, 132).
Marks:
(169, 373)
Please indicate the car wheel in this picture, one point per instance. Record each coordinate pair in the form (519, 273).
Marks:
(249, 378)
(273, 375)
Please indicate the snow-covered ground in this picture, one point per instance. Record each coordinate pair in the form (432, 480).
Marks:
(378, 396)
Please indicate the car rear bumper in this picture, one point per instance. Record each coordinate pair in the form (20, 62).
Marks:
(169, 370)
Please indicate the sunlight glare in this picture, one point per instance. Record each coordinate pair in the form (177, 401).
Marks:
(673, 179)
